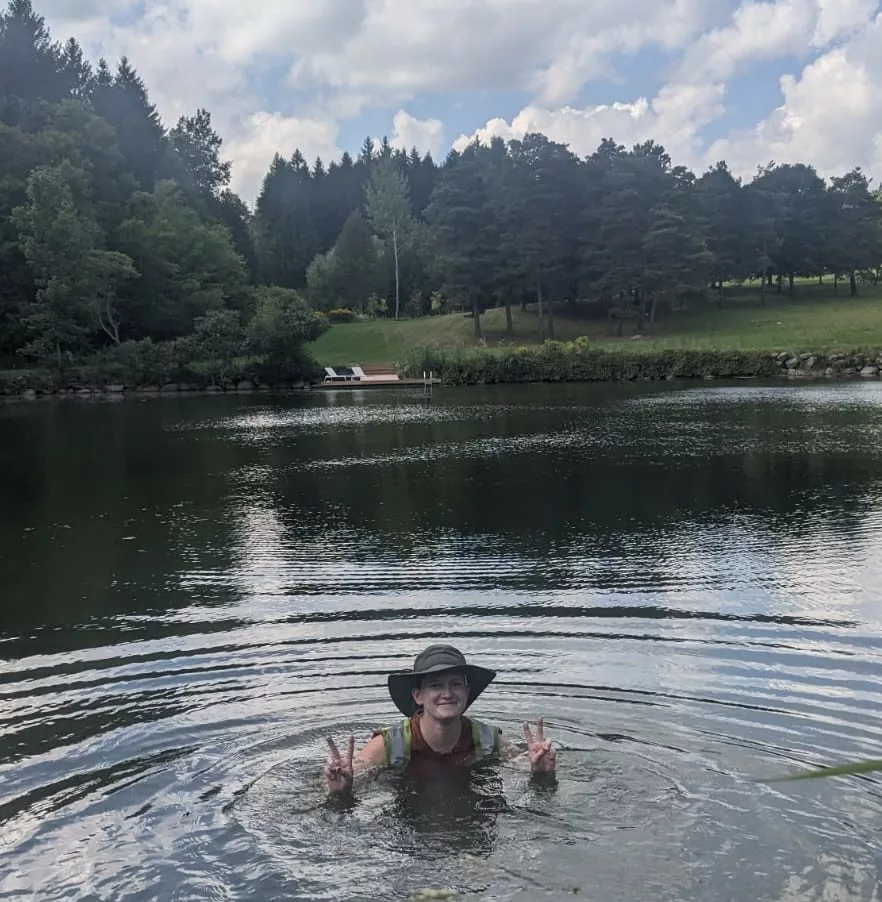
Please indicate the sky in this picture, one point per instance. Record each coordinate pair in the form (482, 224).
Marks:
(747, 82)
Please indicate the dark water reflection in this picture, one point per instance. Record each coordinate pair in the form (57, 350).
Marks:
(684, 581)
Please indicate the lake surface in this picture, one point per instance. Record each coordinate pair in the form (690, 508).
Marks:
(686, 581)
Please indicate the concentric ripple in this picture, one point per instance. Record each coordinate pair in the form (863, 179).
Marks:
(684, 582)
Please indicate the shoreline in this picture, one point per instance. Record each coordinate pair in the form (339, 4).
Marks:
(545, 364)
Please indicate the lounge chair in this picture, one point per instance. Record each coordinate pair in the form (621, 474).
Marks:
(342, 374)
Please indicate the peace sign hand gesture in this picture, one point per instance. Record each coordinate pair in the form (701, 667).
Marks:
(338, 769)
(543, 756)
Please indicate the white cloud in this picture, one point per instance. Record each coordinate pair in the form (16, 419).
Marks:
(831, 116)
(263, 134)
(673, 118)
(767, 30)
(841, 17)
(312, 66)
(427, 135)
(343, 56)
(404, 47)
(757, 31)
(587, 46)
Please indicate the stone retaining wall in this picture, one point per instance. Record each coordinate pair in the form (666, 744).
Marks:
(119, 390)
(814, 365)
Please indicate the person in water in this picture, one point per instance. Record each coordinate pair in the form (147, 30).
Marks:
(434, 697)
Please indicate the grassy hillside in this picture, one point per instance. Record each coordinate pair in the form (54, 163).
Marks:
(814, 320)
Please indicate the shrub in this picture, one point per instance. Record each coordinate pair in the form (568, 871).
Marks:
(216, 340)
(141, 362)
(377, 306)
(342, 315)
(282, 324)
(577, 362)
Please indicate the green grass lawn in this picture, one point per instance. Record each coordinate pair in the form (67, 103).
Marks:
(814, 320)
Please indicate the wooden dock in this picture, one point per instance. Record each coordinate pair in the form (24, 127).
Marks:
(378, 375)
(360, 385)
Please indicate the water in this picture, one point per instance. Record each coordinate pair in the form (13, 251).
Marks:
(684, 580)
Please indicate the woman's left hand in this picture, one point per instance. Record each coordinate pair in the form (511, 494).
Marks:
(543, 755)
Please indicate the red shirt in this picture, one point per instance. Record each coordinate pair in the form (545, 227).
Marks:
(459, 754)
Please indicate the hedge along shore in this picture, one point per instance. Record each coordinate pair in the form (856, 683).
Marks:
(577, 361)
(552, 362)
(16, 385)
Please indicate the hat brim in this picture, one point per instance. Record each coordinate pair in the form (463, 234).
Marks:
(401, 684)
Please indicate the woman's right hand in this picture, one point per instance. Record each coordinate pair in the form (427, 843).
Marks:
(338, 769)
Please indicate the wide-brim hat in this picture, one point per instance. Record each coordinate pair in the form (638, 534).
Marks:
(436, 659)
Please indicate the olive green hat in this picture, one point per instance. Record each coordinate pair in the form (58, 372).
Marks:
(436, 659)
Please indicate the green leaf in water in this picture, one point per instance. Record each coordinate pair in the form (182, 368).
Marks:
(841, 770)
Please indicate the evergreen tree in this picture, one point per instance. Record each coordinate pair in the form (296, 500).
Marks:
(797, 205)
(198, 148)
(286, 237)
(125, 105)
(723, 211)
(457, 215)
(355, 256)
(855, 237)
(75, 71)
(30, 64)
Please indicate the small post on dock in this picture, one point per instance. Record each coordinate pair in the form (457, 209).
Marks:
(428, 384)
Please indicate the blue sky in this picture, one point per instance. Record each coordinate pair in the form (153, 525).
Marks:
(789, 80)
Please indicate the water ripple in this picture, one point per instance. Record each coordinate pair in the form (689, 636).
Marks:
(684, 583)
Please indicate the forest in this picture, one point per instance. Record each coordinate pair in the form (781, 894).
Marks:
(121, 240)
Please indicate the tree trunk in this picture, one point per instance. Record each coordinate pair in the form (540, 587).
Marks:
(790, 283)
(476, 313)
(768, 276)
(523, 303)
(653, 308)
(763, 287)
(852, 285)
(397, 281)
(551, 319)
(107, 322)
(719, 296)
(541, 312)
(835, 283)
(821, 279)
(642, 318)
(609, 320)
(509, 327)
(780, 284)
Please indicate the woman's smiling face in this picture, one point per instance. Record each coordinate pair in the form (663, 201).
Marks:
(443, 696)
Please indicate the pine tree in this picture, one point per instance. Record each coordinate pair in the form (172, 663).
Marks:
(355, 259)
(198, 148)
(29, 63)
(124, 103)
(854, 241)
(458, 214)
(76, 72)
(722, 209)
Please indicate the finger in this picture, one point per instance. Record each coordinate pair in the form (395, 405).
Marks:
(540, 729)
(537, 756)
(528, 734)
(351, 750)
(335, 752)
